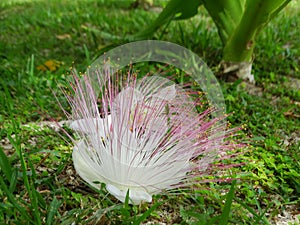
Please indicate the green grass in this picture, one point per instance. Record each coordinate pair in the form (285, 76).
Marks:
(38, 184)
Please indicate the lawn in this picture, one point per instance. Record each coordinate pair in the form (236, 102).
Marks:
(42, 41)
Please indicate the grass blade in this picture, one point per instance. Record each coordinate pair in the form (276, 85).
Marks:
(13, 201)
(147, 213)
(5, 164)
(53, 209)
(252, 211)
(13, 181)
(226, 210)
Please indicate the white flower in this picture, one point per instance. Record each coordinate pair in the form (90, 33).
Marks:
(145, 138)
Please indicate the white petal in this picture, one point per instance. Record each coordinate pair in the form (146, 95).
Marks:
(126, 98)
(83, 168)
(92, 125)
(167, 93)
(136, 196)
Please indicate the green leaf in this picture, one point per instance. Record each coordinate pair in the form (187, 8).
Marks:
(174, 10)
(5, 164)
(226, 14)
(147, 213)
(256, 217)
(11, 198)
(53, 209)
(13, 180)
(186, 10)
(226, 210)
(126, 203)
(188, 214)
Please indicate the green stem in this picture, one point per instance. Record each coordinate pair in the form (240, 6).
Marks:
(239, 47)
(226, 15)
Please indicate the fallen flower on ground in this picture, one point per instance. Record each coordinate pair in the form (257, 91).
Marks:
(140, 136)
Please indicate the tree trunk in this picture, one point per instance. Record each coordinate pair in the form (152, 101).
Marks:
(238, 70)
